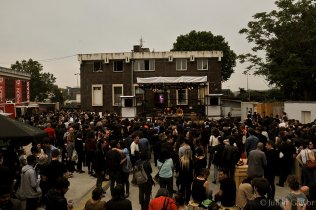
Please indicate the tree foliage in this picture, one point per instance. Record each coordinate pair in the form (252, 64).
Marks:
(266, 96)
(41, 84)
(200, 41)
(287, 38)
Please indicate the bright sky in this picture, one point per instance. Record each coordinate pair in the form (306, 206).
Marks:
(54, 32)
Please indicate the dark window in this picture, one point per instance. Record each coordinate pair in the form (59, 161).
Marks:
(146, 64)
(118, 66)
(128, 102)
(214, 101)
(97, 66)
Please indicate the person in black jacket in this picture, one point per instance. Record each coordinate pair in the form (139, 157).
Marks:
(113, 158)
(100, 161)
(269, 172)
(55, 198)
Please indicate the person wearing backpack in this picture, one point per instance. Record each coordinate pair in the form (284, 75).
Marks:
(295, 200)
(146, 187)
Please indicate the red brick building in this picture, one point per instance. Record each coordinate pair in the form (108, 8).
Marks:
(105, 77)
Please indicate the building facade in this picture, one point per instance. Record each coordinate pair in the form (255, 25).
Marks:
(186, 79)
(14, 86)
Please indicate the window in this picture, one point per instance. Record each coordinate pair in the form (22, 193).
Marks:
(182, 97)
(138, 90)
(139, 93)
(97, 95)
(97, 66)
(144, 65)
(118, 66)
(181, 64)
(202, 64)
(201, 94)
(214, 101)
(117, 91)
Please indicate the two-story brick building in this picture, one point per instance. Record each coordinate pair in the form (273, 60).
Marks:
(190, 80)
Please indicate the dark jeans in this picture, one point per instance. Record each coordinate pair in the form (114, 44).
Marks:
(285, 170)
(167, 183)
(80, 160)
(271, 178)
(144, 195)
(185, 189)
(89, 161)
(125, 181)
(115, 177)
(100, 176)
(31, 203)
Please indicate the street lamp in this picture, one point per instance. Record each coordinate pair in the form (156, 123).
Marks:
(77, 74)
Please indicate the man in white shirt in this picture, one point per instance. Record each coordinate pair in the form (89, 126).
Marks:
(135, 149)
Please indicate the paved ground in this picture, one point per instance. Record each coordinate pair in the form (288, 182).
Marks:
(82, 185)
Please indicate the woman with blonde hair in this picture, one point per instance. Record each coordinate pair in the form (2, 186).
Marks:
(185, 177)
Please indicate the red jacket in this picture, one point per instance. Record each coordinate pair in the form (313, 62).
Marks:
(157, 203)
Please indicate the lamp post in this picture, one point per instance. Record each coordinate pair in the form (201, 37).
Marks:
(77, 74)
(248, 88)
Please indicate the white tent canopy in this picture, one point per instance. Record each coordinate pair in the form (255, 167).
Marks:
(183, 79)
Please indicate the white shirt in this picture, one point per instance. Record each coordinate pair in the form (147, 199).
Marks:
(213, 141)
(134, 147)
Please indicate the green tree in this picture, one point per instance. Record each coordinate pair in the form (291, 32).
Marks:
(41, 83)
(57, 95)
(203, 40)
(286, 38)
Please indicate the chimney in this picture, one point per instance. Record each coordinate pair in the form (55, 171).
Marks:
(137, 48)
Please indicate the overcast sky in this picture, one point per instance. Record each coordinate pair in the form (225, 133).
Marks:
(53, 32)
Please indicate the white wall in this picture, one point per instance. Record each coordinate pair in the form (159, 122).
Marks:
(213, 111)
(128, 112)
(247, 106)
(305, 112)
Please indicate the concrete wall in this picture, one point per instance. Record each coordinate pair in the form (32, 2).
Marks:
(305, 112)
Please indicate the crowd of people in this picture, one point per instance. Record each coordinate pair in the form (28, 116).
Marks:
(182, 150)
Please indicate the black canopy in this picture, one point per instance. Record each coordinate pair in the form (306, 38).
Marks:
(16, 133)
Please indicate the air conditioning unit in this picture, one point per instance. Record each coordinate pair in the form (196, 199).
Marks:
(170, 58)
(192, 58)
(106, 60)
(127, 60)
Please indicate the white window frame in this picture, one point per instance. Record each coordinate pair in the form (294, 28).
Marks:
(114, 62)
(181, 64)
(113, 95)
(139, 65)
(92, 97)
(202, 64)
(185, 99)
